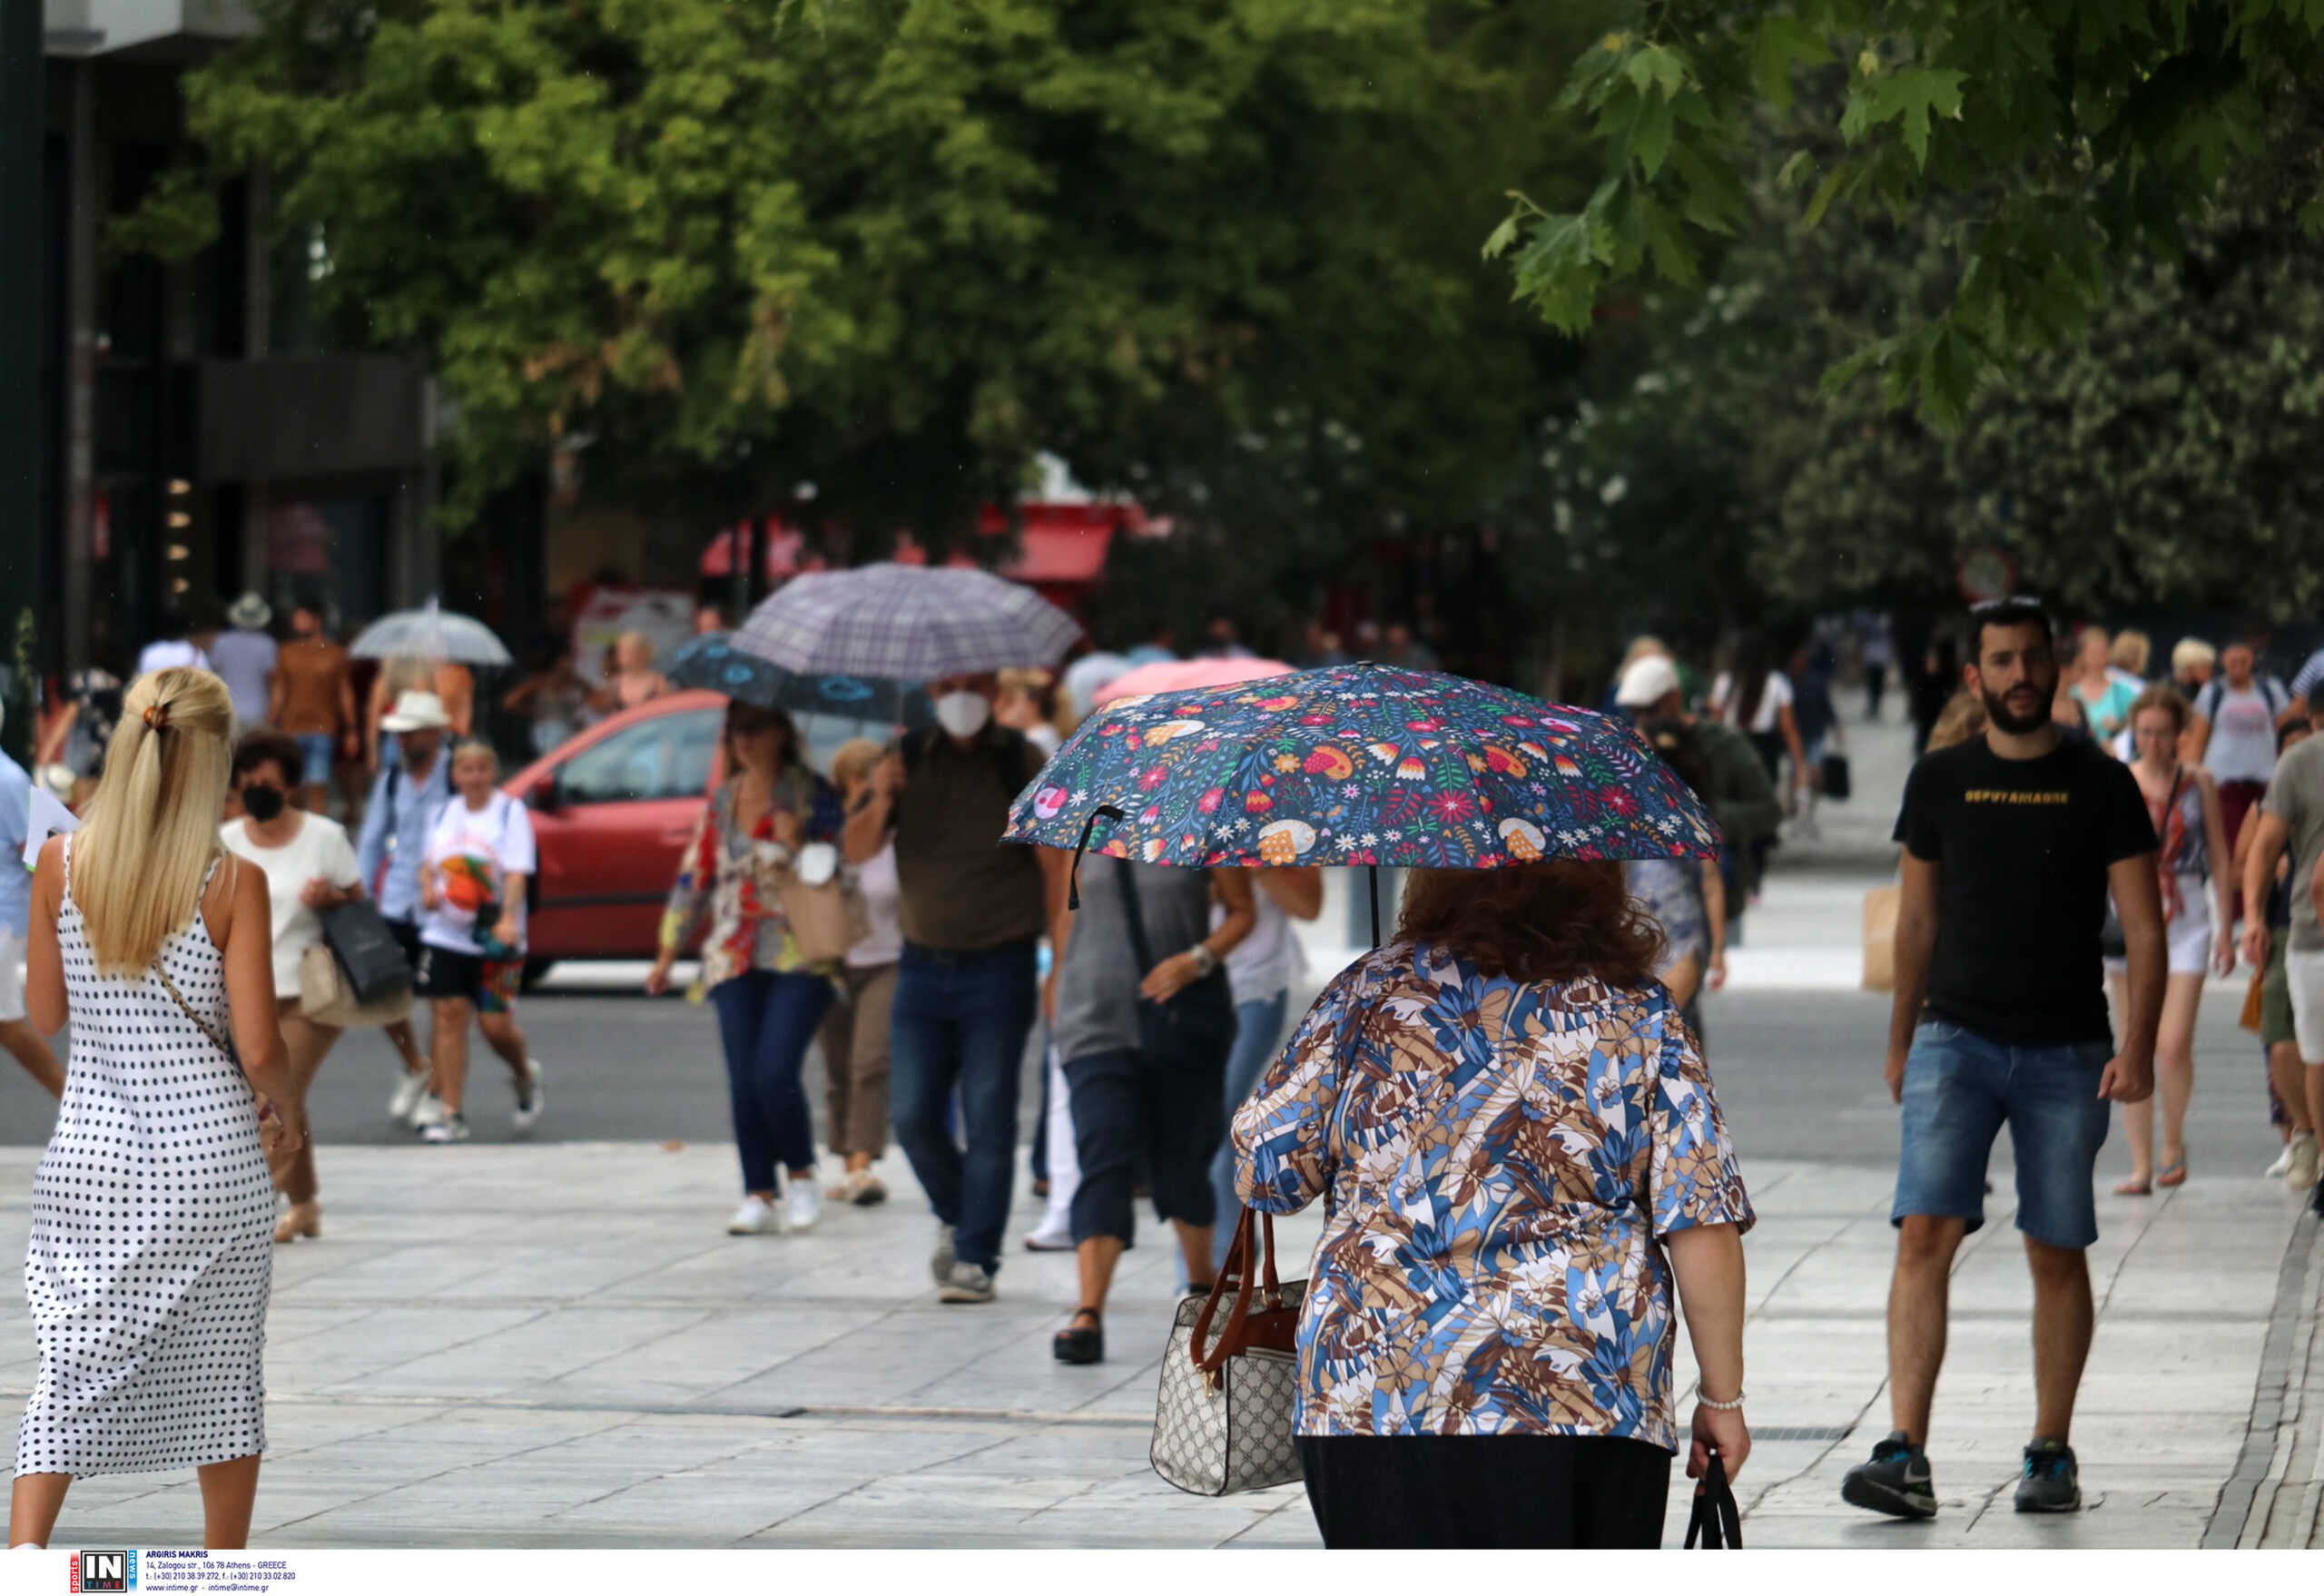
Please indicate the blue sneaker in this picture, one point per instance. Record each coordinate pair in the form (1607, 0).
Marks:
(2051, 1482)
(1896, 1480)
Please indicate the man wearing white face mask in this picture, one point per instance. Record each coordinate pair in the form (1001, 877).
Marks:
(972, 909)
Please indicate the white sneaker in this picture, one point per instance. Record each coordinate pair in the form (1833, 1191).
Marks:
(530, 1100)
(2282, 1166)
(2302, 1174)
(1053, 1235)
(757, 1216)
(409, 1090)
(430, 1111)
(800, 1205)
(941, 1261)
(450, 1128)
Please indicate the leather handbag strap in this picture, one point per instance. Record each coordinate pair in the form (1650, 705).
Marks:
(1237, 1267)
(217, 1038)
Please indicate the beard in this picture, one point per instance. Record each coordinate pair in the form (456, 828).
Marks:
(2016, 722)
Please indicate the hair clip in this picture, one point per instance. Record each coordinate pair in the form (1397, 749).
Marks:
(157, 716)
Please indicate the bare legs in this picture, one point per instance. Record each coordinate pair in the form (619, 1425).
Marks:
(405, 1039)
(32, 1507)
(2174, 1082)
(229, 1491)
(2290, 1081)
(33, 1053)
(1917, 1306)
(1098, 1255)
(1918, 1299)
(450, 1039)
(2062, 1320)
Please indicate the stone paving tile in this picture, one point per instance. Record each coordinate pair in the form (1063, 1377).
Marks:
(451, 1367)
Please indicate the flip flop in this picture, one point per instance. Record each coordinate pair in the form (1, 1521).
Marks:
(2172, 1174)
(2135, 1188)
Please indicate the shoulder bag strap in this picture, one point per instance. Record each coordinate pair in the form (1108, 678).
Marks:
(1126, 874)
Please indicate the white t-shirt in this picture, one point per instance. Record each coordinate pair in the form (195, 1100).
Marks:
(876, 878)
(2242, 748)
(319, 848)
(1773, 699)
(244, 660)
(471, 852)
(163, 656)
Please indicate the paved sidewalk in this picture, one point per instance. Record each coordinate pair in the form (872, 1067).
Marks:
(558, 1346)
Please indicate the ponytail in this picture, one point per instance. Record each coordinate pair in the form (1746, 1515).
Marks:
(152, 834)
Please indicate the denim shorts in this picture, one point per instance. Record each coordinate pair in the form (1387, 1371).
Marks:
(315, 749)
(1961, 1088)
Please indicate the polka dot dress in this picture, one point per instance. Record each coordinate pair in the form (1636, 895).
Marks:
(152, 1228)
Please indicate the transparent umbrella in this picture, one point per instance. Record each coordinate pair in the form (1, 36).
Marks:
(430, 633)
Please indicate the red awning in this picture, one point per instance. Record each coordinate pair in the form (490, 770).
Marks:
(1061, 545)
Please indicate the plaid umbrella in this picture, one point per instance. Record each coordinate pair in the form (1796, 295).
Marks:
(906, 623)
(713, 662)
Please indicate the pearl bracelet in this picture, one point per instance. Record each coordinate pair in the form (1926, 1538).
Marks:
(1720, 1407)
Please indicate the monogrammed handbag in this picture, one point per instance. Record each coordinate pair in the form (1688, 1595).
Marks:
(1223, 1417)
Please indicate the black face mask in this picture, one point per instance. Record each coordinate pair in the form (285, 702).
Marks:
(262, 803)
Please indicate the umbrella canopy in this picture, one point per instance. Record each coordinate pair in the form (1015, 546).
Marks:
(1088, 676)
(713, 662)
(1360, 765)
(430, 633)
(906, 623)
(1181, 675)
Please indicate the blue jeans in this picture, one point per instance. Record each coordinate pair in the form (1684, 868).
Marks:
(961, 1020)
(1961, 1087)
(766, 1021)
(1258, 1027)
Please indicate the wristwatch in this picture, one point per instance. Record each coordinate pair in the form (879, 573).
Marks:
(1205, 960)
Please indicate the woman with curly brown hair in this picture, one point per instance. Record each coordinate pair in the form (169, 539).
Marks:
(1519, 1148)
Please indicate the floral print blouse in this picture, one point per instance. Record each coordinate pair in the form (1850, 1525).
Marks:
(1498, 1162)
(732, 879)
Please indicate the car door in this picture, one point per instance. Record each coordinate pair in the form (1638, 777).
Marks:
(609, 841)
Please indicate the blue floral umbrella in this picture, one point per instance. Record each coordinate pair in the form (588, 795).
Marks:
(712, 663)
(1360, 764)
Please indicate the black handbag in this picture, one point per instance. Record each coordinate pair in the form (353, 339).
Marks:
(1835, 781)
(1195, 1029)
(1716, 1521)
(365, 950)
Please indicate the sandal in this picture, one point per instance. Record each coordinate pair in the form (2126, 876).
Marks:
(2172, 1174)
(1078, 1343)
(2134, 1187)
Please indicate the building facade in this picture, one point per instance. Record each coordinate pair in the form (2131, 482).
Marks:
(206, 435)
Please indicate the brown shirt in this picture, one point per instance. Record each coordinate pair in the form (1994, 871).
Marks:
(963, 889)
(310, 672)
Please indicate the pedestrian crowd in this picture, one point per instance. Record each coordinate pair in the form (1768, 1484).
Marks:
(1510, 1278)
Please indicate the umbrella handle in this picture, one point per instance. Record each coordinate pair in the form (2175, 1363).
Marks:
(1073, 878)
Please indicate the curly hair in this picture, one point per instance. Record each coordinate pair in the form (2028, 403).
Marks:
(1555, 921)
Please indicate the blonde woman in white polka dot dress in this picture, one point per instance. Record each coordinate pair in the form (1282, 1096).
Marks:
(153, 1210)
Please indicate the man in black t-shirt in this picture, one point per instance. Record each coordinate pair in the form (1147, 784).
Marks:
(2012, 842)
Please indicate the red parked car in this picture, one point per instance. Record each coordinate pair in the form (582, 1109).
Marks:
(612, 810)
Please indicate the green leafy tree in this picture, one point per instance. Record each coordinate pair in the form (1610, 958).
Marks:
(892, 248)
(2055, 138)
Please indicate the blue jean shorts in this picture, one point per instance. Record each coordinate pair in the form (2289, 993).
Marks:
(1961, 1088)
(315, 749)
